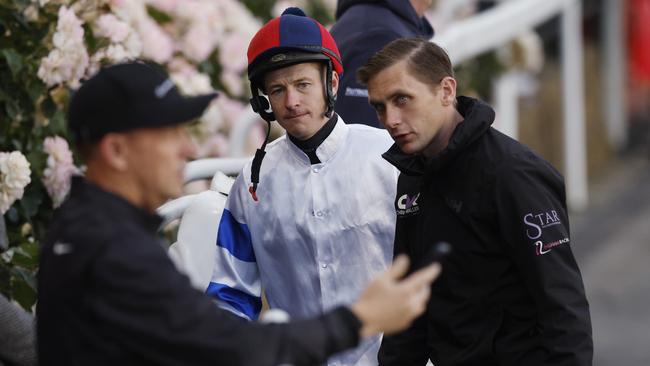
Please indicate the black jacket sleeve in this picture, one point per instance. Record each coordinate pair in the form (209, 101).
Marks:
(407, 348)
(151, 310)
(533, 221)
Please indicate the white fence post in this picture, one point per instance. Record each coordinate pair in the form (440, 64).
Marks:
(506, 104)
(613, 55)
(574, 106)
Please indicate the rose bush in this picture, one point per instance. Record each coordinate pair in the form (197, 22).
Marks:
(47, 49)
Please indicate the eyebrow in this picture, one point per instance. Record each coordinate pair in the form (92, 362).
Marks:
(300, 80)
(390, 97)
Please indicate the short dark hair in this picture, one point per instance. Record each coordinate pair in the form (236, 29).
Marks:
(426, 60)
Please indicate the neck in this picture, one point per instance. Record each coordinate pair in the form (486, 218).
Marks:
(119, 185)
(441, 140)
(316, 139)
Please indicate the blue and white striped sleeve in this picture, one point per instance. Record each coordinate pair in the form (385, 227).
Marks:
(235, 284)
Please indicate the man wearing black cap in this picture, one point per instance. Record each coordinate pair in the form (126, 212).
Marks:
(108, 293)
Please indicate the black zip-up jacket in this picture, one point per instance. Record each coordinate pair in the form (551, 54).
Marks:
(510, 292)
(109, 295)
(362, 28)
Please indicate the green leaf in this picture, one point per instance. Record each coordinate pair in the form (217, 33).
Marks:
(14, 60)
(24, 259)
(12, 215)
(25, 275)
(12, 109)
(48, 107)
(35, 90)
(23, 288)
(31, 202)
(158, 15)
(57, 122)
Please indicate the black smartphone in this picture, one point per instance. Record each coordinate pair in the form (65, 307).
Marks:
(436, 253)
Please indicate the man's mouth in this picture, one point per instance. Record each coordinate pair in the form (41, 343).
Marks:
(401, 137)
(294, 116)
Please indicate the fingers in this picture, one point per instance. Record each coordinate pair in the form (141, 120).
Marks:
(423, 277)
(399, 267)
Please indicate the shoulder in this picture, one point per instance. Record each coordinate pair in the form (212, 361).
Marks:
(515, 163)
(371, 139)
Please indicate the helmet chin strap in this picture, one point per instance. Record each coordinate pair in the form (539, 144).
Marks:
(330, 97)
(260, 106)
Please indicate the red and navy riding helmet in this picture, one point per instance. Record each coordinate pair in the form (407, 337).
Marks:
(290, 39)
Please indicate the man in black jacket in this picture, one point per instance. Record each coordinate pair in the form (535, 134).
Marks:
(108, 293)
(511, 293)
(362, 28)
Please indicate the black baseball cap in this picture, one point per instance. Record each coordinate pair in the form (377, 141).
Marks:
(129, 96)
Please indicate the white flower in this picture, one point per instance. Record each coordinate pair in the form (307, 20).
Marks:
(117, 53)
(68, 28)
(14, 176)
(233, 82)
(68, 61)
(232, 52)
(133, 45)
(192, 82)
(112, 28)
(211, 120)
(231, 109)
(156, 44)
(60, 168)
(198, 43)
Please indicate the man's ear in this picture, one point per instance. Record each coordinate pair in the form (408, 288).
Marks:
(448, 90)
(113, 149)
(335, 82)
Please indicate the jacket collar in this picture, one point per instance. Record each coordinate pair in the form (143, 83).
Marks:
(119, 207)
(478, 117)
(327, 148)
(421, 24)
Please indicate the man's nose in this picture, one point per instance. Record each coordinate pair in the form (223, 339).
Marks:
(292, 99)
(392, 118)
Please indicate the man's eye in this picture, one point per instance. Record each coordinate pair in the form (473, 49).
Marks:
(401, 100)
(303, 85)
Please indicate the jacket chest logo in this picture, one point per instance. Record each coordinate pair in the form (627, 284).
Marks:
(455, 205)
(408, 205)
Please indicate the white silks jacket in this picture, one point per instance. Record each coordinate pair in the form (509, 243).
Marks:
(318, 234)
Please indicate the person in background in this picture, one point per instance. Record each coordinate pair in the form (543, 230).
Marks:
(17, 335)
(313, 222)
(512, 293)
(108, 294)
(362, 28)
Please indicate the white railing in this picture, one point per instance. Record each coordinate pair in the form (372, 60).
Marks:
(492, 29)
(201, 169)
